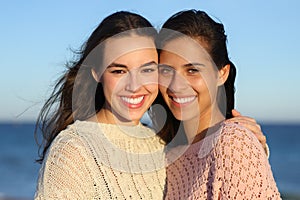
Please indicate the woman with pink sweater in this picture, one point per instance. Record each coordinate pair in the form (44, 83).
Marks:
(208, 157)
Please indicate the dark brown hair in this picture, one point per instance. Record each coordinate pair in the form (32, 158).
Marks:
(59, 110)
(201, 27)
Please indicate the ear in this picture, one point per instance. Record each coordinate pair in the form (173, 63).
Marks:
(223, 74)
(95, 75)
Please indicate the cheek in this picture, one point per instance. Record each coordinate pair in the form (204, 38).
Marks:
(207, 92)
(110, 86)
(164, 80)
(148, 81)
(207, 83)
(152, 88)
(162, 90)
(198, 84)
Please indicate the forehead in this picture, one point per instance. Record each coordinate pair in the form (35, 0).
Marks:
(120, 47)
(186, 48)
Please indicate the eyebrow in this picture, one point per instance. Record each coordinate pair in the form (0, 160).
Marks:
(149, 63)
(117, 65)
(193, 64)
(124, 66)
(164, 65)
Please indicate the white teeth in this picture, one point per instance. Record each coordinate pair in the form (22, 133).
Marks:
(133, 100)
(184, 100)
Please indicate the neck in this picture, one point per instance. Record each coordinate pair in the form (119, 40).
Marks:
(196, 128)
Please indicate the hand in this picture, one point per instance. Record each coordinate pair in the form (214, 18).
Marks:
(252, 125)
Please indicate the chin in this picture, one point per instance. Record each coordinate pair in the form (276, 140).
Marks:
(185, 116)
(179, 116)
(135, 116)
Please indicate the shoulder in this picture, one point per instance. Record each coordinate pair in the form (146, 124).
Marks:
(232, 132)
(238, 140)
(65, 172)
(68, 154)
(67, 146)
(67, 137)
(242, 160)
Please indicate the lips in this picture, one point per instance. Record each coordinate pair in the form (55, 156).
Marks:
(133, 102)
(182, 101)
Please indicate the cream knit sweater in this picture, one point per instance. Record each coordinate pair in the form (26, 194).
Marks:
(91, 160)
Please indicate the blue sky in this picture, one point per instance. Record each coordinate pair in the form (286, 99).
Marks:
(263, 40)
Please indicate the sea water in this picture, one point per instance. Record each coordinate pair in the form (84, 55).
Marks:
(19, 171)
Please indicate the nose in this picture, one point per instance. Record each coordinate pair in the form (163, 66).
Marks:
(132, 82)
(178, 83)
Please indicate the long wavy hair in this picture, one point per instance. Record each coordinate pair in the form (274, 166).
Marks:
(200, 27)
(59, 110)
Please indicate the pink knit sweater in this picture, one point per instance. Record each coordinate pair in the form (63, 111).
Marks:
(230, 163)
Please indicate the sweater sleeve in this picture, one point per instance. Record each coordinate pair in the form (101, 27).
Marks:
(64, 173)
(246, 172)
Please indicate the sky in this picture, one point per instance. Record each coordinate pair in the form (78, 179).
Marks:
(37, 38)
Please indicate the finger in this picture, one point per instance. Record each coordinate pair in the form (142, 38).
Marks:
(262, 139)
(247, 123)
(235, 113)
(253, 126)
(242, 119)
(256, 129)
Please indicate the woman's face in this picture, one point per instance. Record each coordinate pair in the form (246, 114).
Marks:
(188, 79)
(130, 80)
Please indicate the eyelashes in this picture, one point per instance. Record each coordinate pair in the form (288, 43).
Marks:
(166, 70)
(142, 70)
(193, 70)
(118, 71)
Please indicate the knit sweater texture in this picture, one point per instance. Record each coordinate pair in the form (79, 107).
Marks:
(228, 163)
(92, 160)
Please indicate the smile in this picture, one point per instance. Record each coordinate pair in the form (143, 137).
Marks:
(181, 101)
(131, 100)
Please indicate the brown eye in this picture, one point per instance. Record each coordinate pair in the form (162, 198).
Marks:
(148, 70)
(193, 70)
(118, 71)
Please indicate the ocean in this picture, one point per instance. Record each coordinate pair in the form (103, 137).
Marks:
(19, 171)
